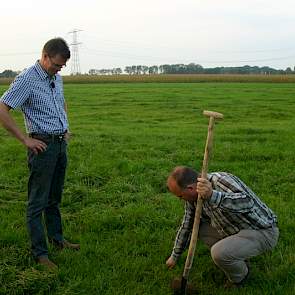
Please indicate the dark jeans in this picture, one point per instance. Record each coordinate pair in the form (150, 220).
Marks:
(45, 186)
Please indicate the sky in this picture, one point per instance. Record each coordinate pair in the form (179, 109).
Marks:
(116, 33)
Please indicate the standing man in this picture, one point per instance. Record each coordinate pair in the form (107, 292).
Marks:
(236, 225)
(38, 92)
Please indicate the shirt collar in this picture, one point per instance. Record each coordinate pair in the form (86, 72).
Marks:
(42, 73)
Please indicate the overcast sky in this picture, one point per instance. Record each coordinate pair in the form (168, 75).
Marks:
(116, 33)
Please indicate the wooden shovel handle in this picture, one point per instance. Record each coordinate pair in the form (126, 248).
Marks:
(198, 212)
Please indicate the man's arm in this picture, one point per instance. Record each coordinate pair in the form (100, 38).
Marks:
(183, 235)
(8, 123)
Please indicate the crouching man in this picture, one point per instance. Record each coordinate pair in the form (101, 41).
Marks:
(235, 224)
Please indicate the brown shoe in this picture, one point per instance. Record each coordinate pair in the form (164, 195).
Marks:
(44, 261)
(64, 244)
(231, 285)
(67, 244)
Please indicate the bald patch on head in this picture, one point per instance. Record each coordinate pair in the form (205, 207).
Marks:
(184, 176)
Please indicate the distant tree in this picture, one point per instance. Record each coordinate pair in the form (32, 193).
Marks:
(93, 72)
(118, 71)
(133, 70)
(105, 71)
(138, 70)
(8, 74)
(193, 68)
(153, 70)
(128, 70)
(288, 71)
(165, 69)
(144, 69)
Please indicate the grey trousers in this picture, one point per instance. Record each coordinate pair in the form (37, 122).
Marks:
(230, 253)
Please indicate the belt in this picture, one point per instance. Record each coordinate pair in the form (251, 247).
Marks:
(49, 137)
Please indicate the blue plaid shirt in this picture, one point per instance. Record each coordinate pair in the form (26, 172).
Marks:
(41, 100)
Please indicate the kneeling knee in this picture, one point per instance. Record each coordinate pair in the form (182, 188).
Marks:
(217, 254)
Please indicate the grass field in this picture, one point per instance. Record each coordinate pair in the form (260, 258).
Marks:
(126, 139)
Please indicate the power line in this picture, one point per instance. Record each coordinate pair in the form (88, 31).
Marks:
(250, 60)
(18, 53)
(148, 46)
(120, 54)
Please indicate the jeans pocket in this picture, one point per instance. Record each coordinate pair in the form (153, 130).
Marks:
(43, 158)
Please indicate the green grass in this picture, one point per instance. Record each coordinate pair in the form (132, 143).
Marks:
(126, 139)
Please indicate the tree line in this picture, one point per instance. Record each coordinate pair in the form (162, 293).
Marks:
(8, 74)
(190, 68)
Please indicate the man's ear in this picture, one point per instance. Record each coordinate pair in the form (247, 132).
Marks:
(45, 54)
(191, 187)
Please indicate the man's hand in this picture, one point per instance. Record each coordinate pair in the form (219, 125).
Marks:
(7, 121)
(204, 188)
(170, 262)
(67, 136)
(36, 145)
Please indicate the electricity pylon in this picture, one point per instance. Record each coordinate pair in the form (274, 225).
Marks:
(75, 63)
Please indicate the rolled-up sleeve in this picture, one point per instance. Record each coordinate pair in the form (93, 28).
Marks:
(183, 235)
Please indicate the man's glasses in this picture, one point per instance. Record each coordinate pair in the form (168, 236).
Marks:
(57, 65)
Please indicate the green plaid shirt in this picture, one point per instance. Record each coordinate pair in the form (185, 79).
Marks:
(232, 207)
